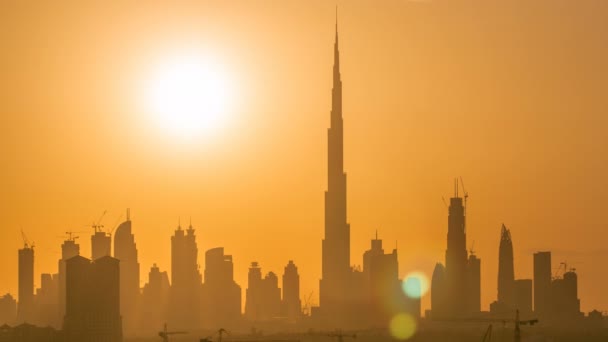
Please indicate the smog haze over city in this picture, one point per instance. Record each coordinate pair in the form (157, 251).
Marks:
(423, 170)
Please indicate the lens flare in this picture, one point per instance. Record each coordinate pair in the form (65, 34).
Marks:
(402, 326)
(415, 284)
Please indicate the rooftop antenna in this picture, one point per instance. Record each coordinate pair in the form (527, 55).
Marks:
(128, 214)
(376, 234)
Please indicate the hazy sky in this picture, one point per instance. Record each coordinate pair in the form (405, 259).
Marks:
(510, 95)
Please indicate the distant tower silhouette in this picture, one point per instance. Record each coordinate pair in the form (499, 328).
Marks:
(336, 272)
(506, 272)
(25, 308)
(8, 310)
(438, 291)
(101, 245)
(69, 249)
(542, 283)
(186, 281)
(125, 250)
(92, 300)
(155, 299)
(291, 292)
(474, 284)
(253, 294)
(456, 257)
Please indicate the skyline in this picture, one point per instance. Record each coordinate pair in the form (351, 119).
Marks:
(400, 219)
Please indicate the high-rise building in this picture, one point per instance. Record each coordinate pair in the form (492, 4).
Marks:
(92, 300)
(336, 272)
(253, 295)
(292, 306)
(47, 299)
(69, 249)
(101, 245)
(155, 299)
(438, 291)
(25, 308)
(506, 271)
(565, 304)
(186, 281)
(221, 294)
(542, 283)
(125, 250)
(263, 296)
(456, 258)
(522, 296)
(474, 284)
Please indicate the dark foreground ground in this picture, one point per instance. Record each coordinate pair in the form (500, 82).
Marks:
(499, 334)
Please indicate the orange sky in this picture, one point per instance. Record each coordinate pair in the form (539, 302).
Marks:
(511, 97)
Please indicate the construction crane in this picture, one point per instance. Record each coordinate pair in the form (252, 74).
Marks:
(165, 334)
(97, 226)
(26, 241)
(71, 236)
(340, 336)
(220, 334)
(517, 321)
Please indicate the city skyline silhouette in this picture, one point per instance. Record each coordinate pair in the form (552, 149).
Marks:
(531, 155)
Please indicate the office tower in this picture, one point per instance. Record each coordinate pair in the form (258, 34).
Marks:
(101, 244)
(155, 300)
(25, 308)
(69, 249)
(335, 281)
(474, 284)
(186, 281)
(542, 283)
(8, 310)
(456, 258)
(438, 291)
(522, 296)
(292, 306)
(92, 300)
(221, 294)
(125, 250)
(506, 272)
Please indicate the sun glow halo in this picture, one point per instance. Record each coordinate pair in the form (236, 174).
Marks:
(189, 96)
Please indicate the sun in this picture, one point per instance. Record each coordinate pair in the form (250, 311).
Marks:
(188, 96)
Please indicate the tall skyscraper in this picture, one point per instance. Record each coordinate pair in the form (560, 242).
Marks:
(292, 306)
(221, 294)
(92, 300)
(25, 306)
(186, 281)
(125, 250)
(456, 258)
(542, 283)
(69, 249)
(336, 271)
(506, 272)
